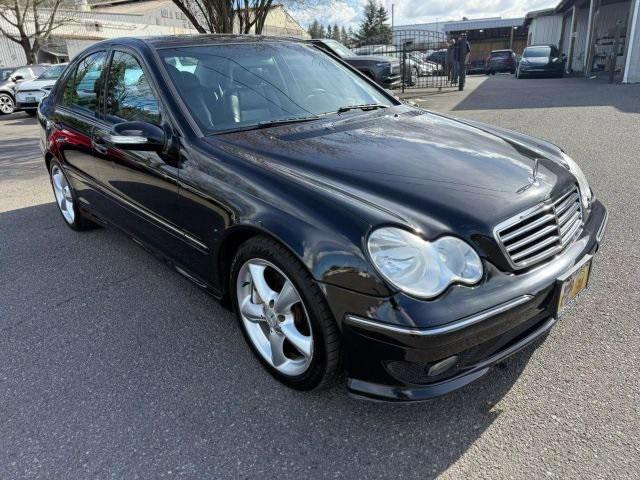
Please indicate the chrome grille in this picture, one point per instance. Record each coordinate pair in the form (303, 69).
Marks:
(542, 231)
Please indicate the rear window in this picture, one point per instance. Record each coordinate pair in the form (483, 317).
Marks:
(537, 52)
(500, 54)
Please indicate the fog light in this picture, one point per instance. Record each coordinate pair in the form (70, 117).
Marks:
(442, 366)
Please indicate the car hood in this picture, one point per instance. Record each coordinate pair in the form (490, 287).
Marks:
(371, 59)
(426, 170)
(34, 85)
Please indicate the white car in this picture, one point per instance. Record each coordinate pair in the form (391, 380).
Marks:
(29, 93)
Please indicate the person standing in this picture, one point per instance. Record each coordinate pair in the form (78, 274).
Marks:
(451, 67)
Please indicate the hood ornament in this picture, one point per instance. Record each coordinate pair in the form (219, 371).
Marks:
(533, 179)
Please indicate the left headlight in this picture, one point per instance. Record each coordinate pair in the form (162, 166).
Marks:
(421, 268)
(585, 191)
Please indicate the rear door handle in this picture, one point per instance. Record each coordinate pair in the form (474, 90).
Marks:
(100, 145)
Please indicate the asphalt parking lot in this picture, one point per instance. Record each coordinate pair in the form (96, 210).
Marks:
(114, 366)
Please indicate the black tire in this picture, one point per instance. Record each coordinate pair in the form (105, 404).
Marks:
(7, 104)
(326, 360)
(80, 222)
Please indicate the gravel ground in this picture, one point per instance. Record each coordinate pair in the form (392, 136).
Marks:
(114, 366)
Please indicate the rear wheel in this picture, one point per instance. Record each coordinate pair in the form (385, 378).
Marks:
(66, 199)
(6, 104)
(283, 315)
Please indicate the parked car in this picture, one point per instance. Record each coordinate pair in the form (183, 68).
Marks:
(7, 88)
(384, 71)
(29, 93)
(501, 61)
(439, 57)
(344, 227)
(425, 68)
(541, 60)
(476, 67)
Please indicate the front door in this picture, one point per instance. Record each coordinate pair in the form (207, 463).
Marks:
(144, 185)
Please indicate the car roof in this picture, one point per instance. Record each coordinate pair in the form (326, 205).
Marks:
(168, 41)
(501, 50)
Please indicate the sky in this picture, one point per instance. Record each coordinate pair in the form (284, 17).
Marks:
(349, 12)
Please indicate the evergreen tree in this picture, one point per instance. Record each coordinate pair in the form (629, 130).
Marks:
(329, 31)
(336, 33)
(351, 36)
(344, 38)
(314, 29)
(383, 30)
(322, 33)
(368, 28)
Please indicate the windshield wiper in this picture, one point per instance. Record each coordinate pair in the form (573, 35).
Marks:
(267, 124)
(365, 106)
(285, 121)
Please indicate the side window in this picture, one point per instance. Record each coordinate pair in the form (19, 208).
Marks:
(69, 89)
(129, 94)
(83, 88)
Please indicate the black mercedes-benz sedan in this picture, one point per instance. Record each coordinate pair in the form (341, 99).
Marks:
(347, 231)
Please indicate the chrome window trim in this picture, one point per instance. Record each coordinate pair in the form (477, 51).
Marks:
(448, 328)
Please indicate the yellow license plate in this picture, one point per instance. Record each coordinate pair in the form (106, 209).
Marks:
(571, 286)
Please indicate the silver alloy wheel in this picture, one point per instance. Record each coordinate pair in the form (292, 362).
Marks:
(62, 191)
(274, 317)
(6, 104)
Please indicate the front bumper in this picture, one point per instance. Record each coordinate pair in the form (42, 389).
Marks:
(395, 347)
(27, 105)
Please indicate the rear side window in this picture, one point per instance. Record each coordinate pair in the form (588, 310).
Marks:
(130, 96)
(83, 87)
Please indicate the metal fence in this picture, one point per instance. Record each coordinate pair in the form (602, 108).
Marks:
(426, 58)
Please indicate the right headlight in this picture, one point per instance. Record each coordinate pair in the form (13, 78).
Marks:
(421, 268)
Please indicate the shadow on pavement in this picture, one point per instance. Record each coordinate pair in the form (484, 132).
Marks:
(107, 351)
(507, 92)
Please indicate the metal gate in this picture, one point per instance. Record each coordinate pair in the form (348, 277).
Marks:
(426, 58)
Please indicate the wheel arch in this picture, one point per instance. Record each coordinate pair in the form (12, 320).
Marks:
(323, 255)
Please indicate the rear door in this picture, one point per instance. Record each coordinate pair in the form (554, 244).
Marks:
(76, 115)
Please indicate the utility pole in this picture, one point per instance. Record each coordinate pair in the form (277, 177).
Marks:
(392, 16)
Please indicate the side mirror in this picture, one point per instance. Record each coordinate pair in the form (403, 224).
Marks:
(17, 78)
(141, 136)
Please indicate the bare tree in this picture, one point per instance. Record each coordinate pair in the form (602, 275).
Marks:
(219, 16)
(29, 23)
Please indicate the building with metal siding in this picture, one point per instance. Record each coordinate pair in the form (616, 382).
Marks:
(587, 32)
(84, 27)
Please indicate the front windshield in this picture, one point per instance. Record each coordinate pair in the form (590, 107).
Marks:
(533, 52)
(52, 73)
(340, 49)
(235, 86)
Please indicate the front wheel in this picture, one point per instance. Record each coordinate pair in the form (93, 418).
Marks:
(7, 105)
(283, 315)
